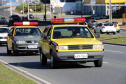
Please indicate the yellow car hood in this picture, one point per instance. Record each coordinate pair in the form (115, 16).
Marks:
(77, 41)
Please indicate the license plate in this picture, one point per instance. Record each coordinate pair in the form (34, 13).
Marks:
(32, 46)
(76, 56)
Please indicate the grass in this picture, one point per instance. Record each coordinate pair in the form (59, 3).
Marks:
(8, 76)
(112, 39)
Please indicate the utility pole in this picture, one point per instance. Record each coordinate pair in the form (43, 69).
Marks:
(10, 7)
(23, 7)
(81, 8)
(110, 11)
(92, 8)
(35, 9)
(28, 9)
(45, 10)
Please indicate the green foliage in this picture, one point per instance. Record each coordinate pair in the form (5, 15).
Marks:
(39, 7)
(112, 39)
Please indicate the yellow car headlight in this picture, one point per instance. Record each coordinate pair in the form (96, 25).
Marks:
(61, 47)
(98, 46)
(20, 42)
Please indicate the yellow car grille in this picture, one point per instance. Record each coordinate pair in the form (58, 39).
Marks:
(73, 47)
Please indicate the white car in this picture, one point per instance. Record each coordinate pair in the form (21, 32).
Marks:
(105, 27)
(3, 35)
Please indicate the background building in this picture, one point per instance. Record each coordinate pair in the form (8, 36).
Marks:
(101, 7)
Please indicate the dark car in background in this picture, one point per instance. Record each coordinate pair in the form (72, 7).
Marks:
(92, 23)
(3, 20)
(24, 18)
(14, 18)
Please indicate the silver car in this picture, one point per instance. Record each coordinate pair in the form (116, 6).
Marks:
(23, 39)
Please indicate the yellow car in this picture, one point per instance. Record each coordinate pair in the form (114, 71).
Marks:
(23, 39)
(70, 43)
(116, 26)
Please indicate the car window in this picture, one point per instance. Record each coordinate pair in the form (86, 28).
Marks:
(27, 31)
(49, 32)
(71, 32)
(11, 31)
(4, 30)
(108, 24)
(45, 30)
(115, 23)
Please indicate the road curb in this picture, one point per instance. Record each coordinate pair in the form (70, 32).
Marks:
(114, 44)
(24, 73)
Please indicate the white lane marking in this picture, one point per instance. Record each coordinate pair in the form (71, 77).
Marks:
(105, 62)
(40, 79)
(114, 51)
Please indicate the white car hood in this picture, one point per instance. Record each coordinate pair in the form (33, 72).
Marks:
(3, 34)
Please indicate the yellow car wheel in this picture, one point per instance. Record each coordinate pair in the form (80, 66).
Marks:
(43, 59)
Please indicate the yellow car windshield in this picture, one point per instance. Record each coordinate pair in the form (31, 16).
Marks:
(71, 32)
(27, 31)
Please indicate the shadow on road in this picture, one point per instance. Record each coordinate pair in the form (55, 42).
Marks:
(21, 54)
(37, 65)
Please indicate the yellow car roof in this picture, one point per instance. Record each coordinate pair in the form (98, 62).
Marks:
(68, 25)
(26, 27)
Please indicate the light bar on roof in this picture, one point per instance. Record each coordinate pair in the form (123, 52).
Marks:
(3, 25)
(57, 20)
(68, 20)
(25, 23)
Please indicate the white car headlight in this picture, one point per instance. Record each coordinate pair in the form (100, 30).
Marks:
(20, 42)
(98, 46)
(61, 47)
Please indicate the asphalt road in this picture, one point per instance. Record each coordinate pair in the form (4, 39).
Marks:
(4, 13)
(113, 70)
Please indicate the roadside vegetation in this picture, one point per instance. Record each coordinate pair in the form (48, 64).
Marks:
(39, 7)
(112, 39)
(8, 76)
